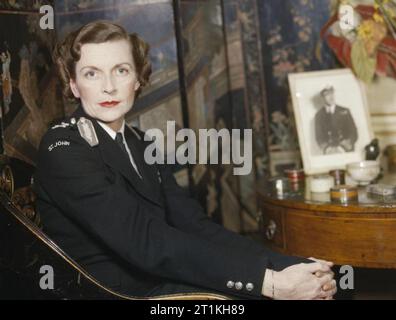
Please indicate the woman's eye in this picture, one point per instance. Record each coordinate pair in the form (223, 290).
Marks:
(122, 71)
(90, 75)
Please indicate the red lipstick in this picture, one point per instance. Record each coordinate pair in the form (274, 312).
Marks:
(109, 104)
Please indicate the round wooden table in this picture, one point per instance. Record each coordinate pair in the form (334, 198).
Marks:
(302, 223)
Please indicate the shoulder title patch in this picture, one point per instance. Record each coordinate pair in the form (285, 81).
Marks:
(58, 144)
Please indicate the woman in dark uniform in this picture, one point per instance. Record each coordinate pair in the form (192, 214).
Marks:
(126, 222)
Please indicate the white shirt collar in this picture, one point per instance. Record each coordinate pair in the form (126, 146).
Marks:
(331, 109)
(113, 134)
(110, 131)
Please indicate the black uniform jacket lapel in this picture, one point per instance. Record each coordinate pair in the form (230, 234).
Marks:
(115, 158)
(149, 173)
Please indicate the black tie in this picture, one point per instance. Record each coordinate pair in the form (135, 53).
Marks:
(120, 141)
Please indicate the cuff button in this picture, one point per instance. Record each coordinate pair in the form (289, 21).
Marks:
(238, 285)
(230, 284)
(249, 286)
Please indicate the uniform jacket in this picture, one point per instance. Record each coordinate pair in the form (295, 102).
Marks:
(332, 129)
(135, 234)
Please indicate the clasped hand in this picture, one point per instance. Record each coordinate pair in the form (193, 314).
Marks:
(304, 281)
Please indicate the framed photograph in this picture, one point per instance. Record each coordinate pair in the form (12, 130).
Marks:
(332, 118)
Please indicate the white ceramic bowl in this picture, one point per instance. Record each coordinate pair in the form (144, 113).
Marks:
(364, 172)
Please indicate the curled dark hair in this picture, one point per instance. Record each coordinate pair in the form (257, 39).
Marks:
(68, 52)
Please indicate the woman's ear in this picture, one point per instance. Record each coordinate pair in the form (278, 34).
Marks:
(137, 85)
(74, 88)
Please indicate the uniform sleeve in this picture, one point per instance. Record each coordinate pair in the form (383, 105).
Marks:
(187, 214)
(74, 181)
(320, 135)
(351, 127)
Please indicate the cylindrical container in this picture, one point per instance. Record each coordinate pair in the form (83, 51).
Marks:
(321, 183)
(278, 185)
(295, 175)
(320, 197)
(297, 186)
(338, 176)
(344, 194)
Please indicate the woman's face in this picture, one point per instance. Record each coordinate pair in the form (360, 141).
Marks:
(106, 80)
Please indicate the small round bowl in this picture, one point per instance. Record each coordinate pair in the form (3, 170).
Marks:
(364, 172)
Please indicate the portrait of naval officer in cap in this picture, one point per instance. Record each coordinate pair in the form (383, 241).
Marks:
(335, 129)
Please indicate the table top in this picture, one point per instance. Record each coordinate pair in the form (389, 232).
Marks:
(301, 196)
